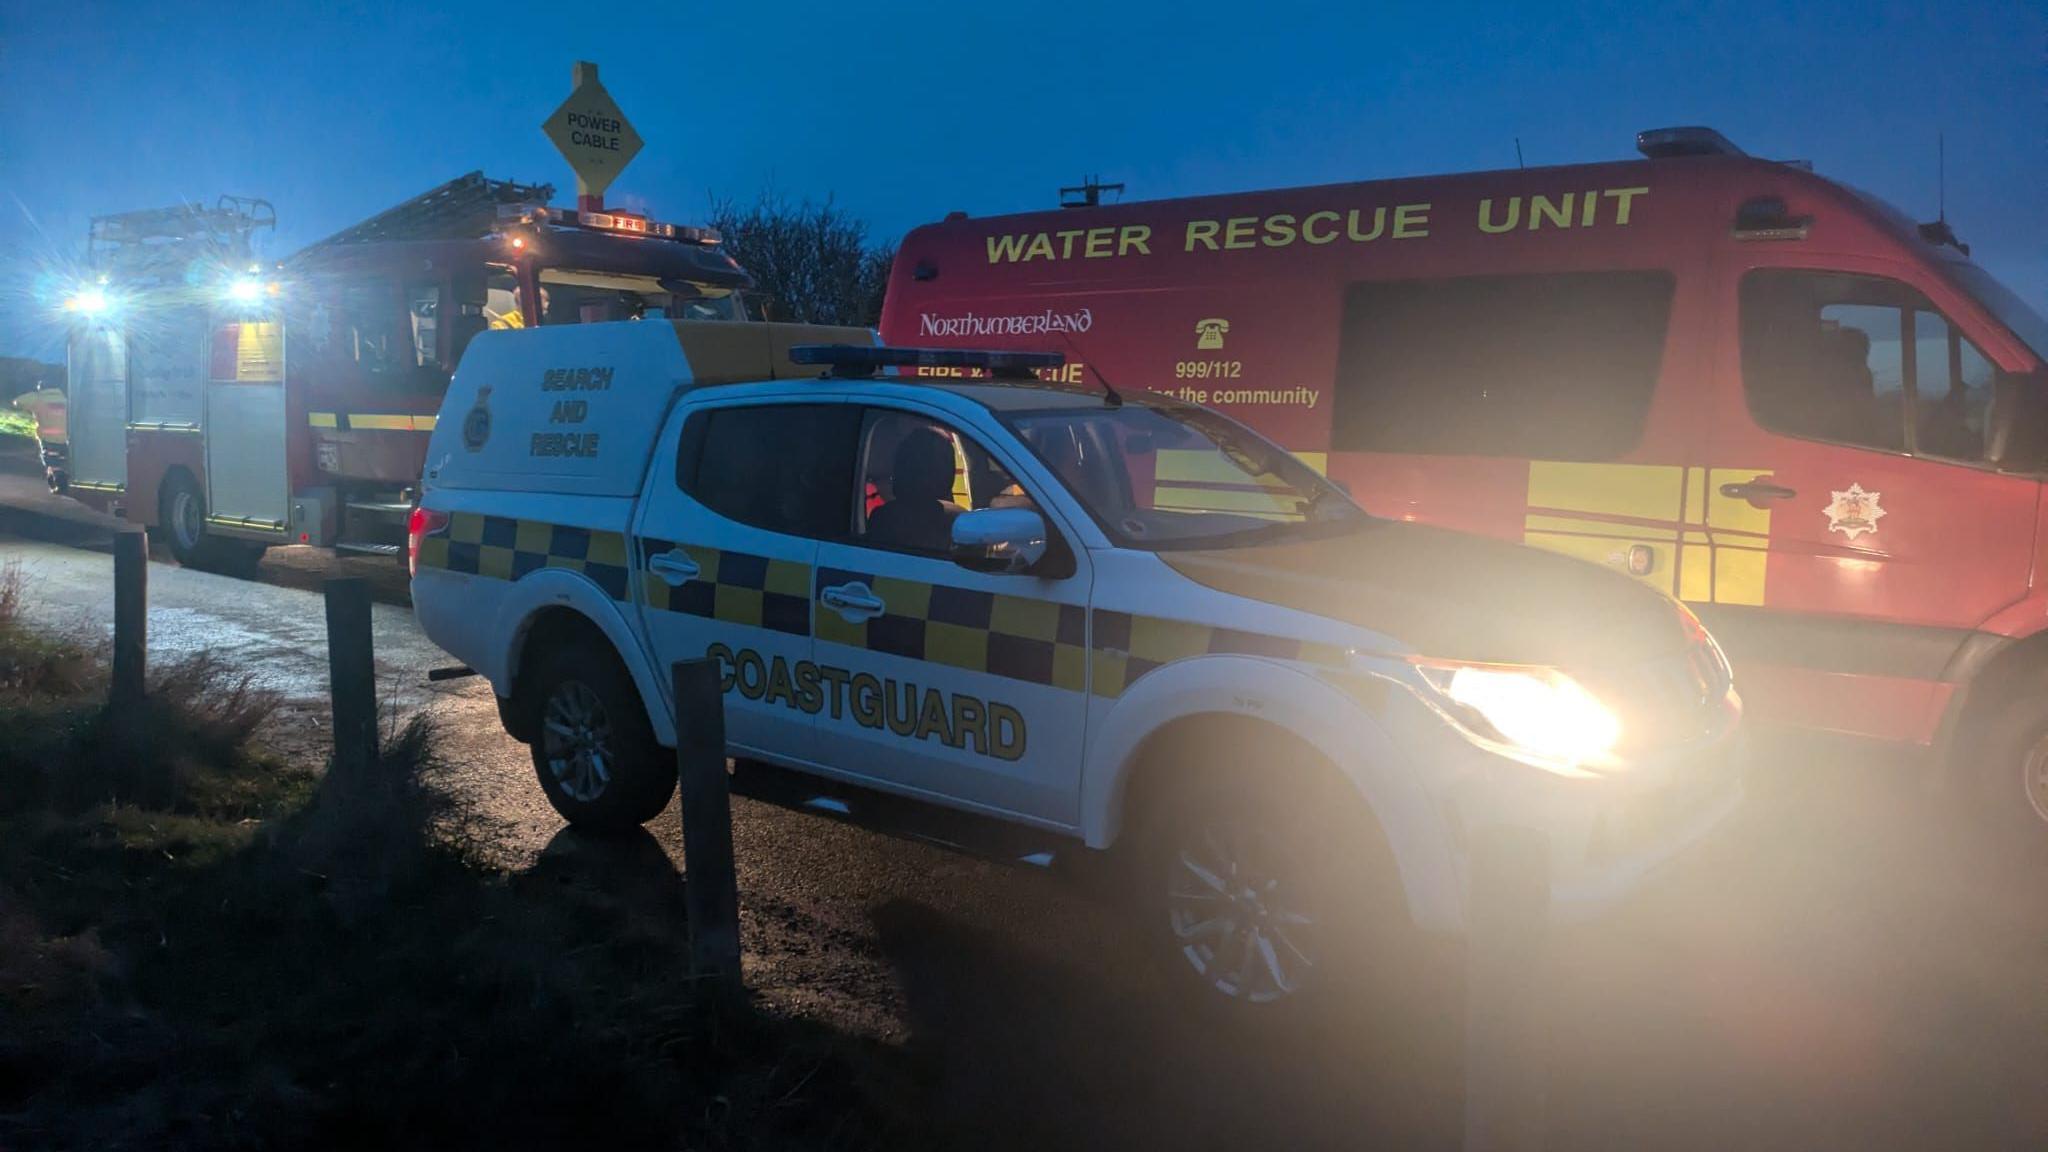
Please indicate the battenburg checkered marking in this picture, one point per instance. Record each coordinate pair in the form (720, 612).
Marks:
(734, 587)
(506, 549)
(1037, 641)
(1127, 646)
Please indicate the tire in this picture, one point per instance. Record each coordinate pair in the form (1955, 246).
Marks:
(181, 521)
(2006, 772)
(1263, 893)
(181, 518)
(517, 721)
(593, 748)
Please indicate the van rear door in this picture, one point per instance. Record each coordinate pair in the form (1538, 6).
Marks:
(1859, 534)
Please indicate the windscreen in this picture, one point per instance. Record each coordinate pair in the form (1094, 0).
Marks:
(1182, 477)
(581, 296)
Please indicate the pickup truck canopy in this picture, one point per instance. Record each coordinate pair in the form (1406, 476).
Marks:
(574, 409)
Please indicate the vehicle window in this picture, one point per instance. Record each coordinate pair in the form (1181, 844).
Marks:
(502, 306)
(1952, 391)
(363, 324)
(1156, 475)
(1556, 367)
(423, 307)
(1863, 361)
(916, 475)
(784, 467)
(581, 296)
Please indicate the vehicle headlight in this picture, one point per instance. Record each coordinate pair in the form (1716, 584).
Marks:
(1538, 715)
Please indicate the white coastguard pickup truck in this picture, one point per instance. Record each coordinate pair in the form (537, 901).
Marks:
(1113, 620)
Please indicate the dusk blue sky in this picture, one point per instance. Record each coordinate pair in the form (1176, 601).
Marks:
(905, 112)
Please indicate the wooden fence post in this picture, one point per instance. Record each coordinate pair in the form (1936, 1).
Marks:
(711, 894)
(131, 617)
(1506, 938)
(351, 674)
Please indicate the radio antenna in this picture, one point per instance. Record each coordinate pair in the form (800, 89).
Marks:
(1941, 176)
(1111, 398)
(1518, 153)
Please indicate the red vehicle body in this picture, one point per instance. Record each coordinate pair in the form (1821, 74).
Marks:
(1644, 363)
(235, 408)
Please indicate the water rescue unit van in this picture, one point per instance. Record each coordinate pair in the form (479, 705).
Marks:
(974, 594)
(1744, 384)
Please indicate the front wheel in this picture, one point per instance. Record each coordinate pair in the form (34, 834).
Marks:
(1262, 893)
(2008, 778)
(593, 749)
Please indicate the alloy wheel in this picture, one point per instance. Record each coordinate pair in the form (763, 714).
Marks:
(576, 736)
(1235, 905)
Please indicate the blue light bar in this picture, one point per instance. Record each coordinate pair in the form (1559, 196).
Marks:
(863, 360)
(1664, 143)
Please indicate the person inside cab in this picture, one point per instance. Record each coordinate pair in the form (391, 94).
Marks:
(919, 514)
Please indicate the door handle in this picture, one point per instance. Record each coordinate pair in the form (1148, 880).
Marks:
(674, 567)
(852, 600)
(1757, 491)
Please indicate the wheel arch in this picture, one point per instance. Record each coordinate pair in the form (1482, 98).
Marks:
(1198, 700)
(560, 606)
(1989, 672)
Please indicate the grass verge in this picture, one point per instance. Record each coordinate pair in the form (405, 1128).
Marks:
(205, 947)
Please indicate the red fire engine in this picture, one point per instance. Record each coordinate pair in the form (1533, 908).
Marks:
(1764, 392)
(234, 405)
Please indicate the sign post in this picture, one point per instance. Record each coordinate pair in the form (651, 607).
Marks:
(593, 135)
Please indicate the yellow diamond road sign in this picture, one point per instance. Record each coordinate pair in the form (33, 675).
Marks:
(593, 134)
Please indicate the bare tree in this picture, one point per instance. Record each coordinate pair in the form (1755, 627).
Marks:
(810, 262)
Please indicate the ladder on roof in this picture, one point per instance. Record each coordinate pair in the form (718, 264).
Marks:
(463, 208)
(163, 243)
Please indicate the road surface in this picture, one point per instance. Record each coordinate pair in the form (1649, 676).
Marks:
(1837, 971)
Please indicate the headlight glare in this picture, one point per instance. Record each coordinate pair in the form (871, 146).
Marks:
(89, 301)
(1541, 713)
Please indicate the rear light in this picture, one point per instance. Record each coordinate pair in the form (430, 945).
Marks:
(423, 523)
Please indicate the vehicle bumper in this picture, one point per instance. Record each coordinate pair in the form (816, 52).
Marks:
(1607, 837)
(459, 613)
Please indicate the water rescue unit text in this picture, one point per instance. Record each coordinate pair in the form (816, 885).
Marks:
(1586, 209)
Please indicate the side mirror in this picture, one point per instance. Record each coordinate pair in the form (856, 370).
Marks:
(1006, 540)
(2019, 423)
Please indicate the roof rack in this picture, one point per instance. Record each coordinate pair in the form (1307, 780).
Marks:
(464, 208)
(858, 361)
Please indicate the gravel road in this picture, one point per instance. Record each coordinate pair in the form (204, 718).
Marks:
(1839, 970)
